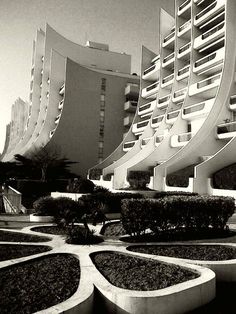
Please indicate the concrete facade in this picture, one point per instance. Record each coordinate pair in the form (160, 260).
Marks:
(68, 107)
(185, 123)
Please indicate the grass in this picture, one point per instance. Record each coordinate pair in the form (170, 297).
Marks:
(8, 236)
(38, 284)
(195, 252)
(134, 273)
(10, 251)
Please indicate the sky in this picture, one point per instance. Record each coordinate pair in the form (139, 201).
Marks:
(125, 25)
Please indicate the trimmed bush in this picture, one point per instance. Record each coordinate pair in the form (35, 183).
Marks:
(45, 206)
(161, 194)
(95, 174)
(107, 201)
(138, 180)
(175, 213)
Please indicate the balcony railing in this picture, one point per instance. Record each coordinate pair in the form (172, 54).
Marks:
(130, 105)
(129, 145)
(194, 108)
(226, 127)
(168, 78)
(183, 5)
(169, 57)
(173, 114)
(232, 100)
(163, 99)
(157, 119)
(208, 81)
(62, 90)
(150, 69)
(184, 48)
(213, 30)
(185, 137)
(145, 141)
(205, 60)
(152, 86)
(61, 103)
(184, 26)
(180, 93)
(184, 70)
(144, 107)
(168, 37)
(142, 124)
(206, 10)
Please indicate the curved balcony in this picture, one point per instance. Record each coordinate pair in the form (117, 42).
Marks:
(168, 60)
(52, 132)
(172, 116)
(146, 108)
(179, 140)
(232, 102)
(184, 28)
(158, 139)
(145, 141)
(197, 110)
(61, 104)
(140, 126)
(62, 90)
(169, 38)
(157, 121)
(57, 119)
(208, 12)
(150, 91)
(184, 7)
(226, 130)
(163, 102)
(130, 106)
(132, 90)
(212, 35)
(184, 50)
(205, 86)
(152, 73)
(167, 81)
(183, 73)
(179, 95)
(209, 61)
(128, 145)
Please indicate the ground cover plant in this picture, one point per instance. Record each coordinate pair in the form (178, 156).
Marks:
(38, 284)
(195, 252)
(56, 230)
(10, 251)
(8, 236)
(134, 273)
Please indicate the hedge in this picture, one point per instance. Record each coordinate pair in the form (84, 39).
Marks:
(161, 194)
(175, 213)
(107, 201)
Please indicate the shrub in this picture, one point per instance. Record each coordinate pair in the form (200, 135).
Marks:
(107, 177)
(45, 206)
(175, 213)
(161, 194)
(95, 174)
(138, 180)
(82, 236)
(106, 201)
(80, 186)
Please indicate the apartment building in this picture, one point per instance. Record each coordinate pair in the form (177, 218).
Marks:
(76, 102)
(184, 128)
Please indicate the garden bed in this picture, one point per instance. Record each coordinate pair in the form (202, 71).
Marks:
(10, 251)
(199, 236)
(38, 284)
(113, 229)
(194, 252)
(134, 273)
(56, 230)
(8, 236)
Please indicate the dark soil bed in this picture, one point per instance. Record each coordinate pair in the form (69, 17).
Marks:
(113, 229)
(56, 230)
(38, 284)
(134, 273)
(195, 252)
(8, 236)
(10, 251)
(203, 236)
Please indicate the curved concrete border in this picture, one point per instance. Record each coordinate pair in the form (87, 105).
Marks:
(179, 298)
(36, 218)
(225, 270)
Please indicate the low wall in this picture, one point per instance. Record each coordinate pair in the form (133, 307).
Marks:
(73, 196)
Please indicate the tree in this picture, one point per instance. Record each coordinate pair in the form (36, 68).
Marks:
(46, 160)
